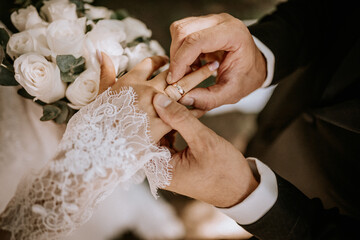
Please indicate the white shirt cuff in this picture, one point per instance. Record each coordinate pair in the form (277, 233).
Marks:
(270, 61)
(260, 201)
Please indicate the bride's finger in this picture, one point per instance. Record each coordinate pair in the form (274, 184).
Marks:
(144, 70)
(107, 74)
(159, 81)
(184, 85)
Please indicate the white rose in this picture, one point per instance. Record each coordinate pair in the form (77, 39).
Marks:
(39, 77)
(58, 9)
(26, 18)
(156, 48)
(106, 37)
(32, 40)
(112, 28)
(135, 28)
(137, 54)
(84, 89)
(92, 12)
(66, 37)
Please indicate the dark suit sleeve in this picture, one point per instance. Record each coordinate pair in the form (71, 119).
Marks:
(296, 217)
(299, 30)
(297, 33)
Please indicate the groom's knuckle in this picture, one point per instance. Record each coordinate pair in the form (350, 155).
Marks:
(178, 28)
(193, 39)
(179, 115)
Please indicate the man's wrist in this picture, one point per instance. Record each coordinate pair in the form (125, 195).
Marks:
(270, 61)
(260, 201)
(236, 184)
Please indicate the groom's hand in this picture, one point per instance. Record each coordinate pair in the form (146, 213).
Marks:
(242, 70)
(210, 168)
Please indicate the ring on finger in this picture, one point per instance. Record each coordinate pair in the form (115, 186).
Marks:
(179, 88)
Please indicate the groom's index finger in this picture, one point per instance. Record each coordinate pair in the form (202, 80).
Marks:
(184, 32)
(208, 40)
(182, 28)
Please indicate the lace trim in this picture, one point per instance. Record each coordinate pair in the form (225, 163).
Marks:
(106, 143)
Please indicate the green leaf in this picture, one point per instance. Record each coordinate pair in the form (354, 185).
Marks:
(7, 77)
(207, 82)
(79, 5)
(88, 28)
(38, 4)
(63, 116)
(22, 92)
(120, 14)
(2, 55)
(70, 67)
(71, 113)
(50, 112)
(23, 3)
(137, 41)
(68, 63)
(4, 38)
(68, 77)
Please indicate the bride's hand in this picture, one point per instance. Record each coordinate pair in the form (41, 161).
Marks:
(146, 88)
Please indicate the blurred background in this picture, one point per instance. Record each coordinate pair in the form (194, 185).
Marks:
(236, 123)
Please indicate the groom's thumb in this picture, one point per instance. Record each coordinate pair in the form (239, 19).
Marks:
(179, 118)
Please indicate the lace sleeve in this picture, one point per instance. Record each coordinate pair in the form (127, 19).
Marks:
(106, 143)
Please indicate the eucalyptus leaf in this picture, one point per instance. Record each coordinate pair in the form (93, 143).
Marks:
(71, 113)
(4, 38)
(9, 66)
(68, 63)
(88, 28)
(2, 55)
(207, 82)
(22, 92)
(68, 77)
(23, 3)
(137, 41)
(7, 77)
(38, 4)
(120, 14)
(63, 116)
(79, 5)
(50, 112)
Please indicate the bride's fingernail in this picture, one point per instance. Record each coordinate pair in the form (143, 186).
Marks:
(213, 66)
(188, 101)
(168, 78)
(99, 56)
(163, 101)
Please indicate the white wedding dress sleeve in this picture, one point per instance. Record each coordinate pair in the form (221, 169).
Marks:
(106, 143)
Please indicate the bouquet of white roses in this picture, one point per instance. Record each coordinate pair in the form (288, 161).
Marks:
(53, 56)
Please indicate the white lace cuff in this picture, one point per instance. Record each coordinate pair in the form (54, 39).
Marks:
(105, 144)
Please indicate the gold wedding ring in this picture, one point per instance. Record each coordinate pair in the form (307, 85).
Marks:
(174, 91)
(179, 88)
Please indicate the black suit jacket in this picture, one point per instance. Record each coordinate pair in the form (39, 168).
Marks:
(309, 132)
